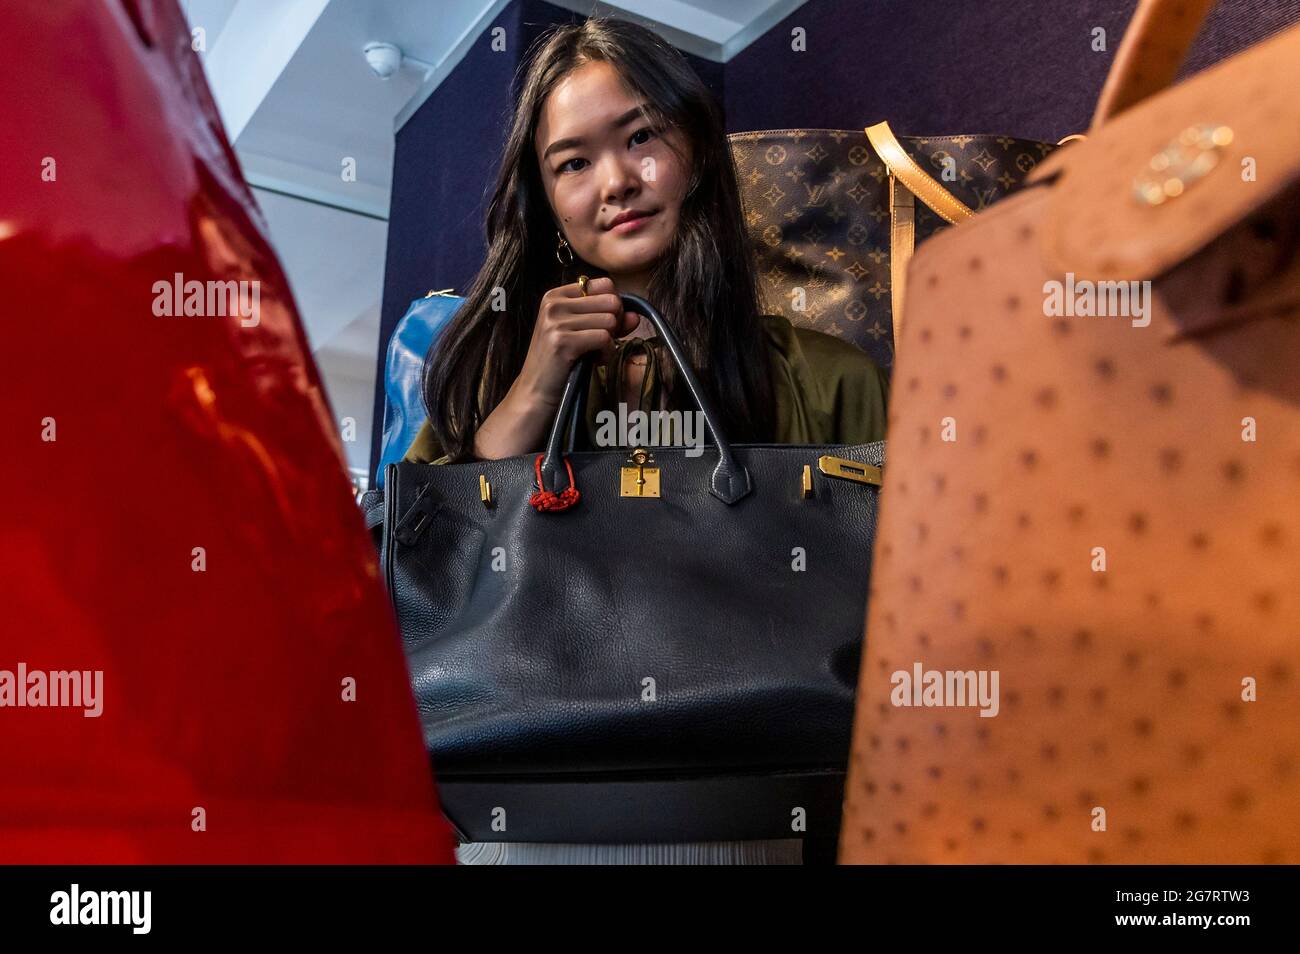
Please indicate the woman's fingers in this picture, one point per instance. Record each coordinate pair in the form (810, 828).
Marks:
(595, 286)
(601, 299)
(577, 306)
(588, 322)
(600, 308)
(580, 342)
(603, 320)
(627, 323)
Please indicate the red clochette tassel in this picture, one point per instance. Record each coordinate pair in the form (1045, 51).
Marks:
(548, 501)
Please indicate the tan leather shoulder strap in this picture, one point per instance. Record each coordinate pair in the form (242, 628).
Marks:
(924, 186)
(902, 243)
(1154, 46)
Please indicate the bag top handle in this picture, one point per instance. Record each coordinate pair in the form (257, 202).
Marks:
(919, 182)
(1154, 47)
(730, 481)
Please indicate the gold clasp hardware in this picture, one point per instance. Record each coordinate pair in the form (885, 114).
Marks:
(638, 480)
(850, 470)
(807, 481)
(1184, 160)
(485, 490)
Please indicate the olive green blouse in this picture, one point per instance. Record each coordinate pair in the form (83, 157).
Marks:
(827, 390)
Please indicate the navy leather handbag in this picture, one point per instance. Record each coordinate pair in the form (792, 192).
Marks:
(676, 665)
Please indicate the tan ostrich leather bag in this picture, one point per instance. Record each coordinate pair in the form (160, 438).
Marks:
(1084, 623)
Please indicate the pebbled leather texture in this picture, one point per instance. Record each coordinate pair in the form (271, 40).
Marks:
(535, 669)
(1175, 448)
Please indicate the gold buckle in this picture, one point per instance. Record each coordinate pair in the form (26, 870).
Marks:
(850, 470)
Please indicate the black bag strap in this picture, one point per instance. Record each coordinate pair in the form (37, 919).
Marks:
(580, 381)
(730, 480)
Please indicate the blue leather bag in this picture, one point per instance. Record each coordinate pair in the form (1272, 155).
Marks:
(404, 409)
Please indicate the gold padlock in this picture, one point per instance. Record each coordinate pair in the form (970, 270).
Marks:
(639, 480)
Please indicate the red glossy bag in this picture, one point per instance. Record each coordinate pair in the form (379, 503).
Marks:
(178, 517)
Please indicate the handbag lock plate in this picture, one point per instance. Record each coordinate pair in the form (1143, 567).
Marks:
(850, 470)
(636, 479)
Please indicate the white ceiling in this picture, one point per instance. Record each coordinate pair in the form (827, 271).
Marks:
(293, 86)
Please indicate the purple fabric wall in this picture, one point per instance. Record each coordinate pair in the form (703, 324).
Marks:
(1016, 67)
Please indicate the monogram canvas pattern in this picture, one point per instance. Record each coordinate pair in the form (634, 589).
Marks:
(816, 203)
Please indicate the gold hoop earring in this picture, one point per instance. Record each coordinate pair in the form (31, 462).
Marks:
(563, 247)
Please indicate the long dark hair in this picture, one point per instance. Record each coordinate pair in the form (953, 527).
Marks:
(703, 284)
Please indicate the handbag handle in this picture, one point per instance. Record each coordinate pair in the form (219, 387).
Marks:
(1154, 46)
(730, 480)
(921, 184)
(907, 182)
(583, 384)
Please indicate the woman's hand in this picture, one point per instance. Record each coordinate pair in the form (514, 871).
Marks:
(568, 326)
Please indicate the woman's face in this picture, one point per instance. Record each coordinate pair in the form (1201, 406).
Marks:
(599, 158)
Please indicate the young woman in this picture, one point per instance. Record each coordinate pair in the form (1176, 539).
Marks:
(617, 167)
(617, 177)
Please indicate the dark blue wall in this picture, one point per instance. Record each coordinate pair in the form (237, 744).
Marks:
(1019, 67)
(1015, 67)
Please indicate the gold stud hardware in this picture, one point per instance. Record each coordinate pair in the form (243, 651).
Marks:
(637, 479)
(485, 490)
(807, 480)
(850, 470)
(1187, 158)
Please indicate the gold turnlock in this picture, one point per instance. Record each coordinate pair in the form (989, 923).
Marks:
(807, 480)
(1184, 160)
(639, 480)
(850, 470)
(485, 490)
